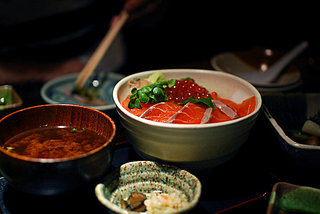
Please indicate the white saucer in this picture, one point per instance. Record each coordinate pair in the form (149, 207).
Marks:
(230, 62)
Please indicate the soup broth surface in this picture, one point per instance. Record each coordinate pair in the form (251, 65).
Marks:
(54, 142)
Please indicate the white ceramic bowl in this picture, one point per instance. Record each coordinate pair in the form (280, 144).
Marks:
(199, 146)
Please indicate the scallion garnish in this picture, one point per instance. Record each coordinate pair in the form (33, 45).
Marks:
(153, 93)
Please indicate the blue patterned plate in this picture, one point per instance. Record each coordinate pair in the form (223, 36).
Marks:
(59, 90)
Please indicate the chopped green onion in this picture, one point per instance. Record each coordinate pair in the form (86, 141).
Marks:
(10, 149)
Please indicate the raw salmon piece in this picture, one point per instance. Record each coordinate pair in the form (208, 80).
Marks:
(247, 106)
(192, 114)
(225, 109)
(161, 112)
(219, 116)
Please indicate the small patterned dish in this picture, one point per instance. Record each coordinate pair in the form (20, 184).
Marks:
(59, 90)
(147, 177)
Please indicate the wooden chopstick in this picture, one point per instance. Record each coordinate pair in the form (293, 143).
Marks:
(101, 50)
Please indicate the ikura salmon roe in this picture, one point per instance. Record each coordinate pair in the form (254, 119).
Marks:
(184, 89)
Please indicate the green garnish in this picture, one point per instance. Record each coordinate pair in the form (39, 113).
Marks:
(186, 78)
(152, 93)
(76, 130)
(157, 77)
(191, 99)
(89, 92)
(10, 149)
(155, 93)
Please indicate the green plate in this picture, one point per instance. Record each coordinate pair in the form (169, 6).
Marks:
(289, 198)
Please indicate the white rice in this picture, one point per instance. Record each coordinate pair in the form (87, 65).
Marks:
(158, 202)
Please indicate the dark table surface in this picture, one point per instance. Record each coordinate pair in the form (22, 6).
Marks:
(187, 36)
(242, 185)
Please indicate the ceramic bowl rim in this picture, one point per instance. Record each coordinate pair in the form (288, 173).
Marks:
(186, 126)
(99, 188)
(109, 142)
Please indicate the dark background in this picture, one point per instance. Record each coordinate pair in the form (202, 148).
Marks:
(185, 34)
(176, 33)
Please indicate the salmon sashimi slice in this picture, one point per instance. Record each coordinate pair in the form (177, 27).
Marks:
(247, 106)
(219, 116)
(192, 114)
(225, 109)
(161, 112)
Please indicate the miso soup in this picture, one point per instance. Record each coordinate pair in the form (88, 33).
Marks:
(54, 142)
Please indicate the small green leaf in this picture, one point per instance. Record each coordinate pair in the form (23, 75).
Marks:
(10, 149)
(171, 83)
(134, 103)
(187, 78)
(157, 77)
(158, 91)
(146, 90)
(131, 104)
(153, 98)
(134, 92)
(137, 104)
(152, 93)
(144, 98)
(206, 101)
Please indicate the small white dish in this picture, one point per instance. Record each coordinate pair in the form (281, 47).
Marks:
(258, 58)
